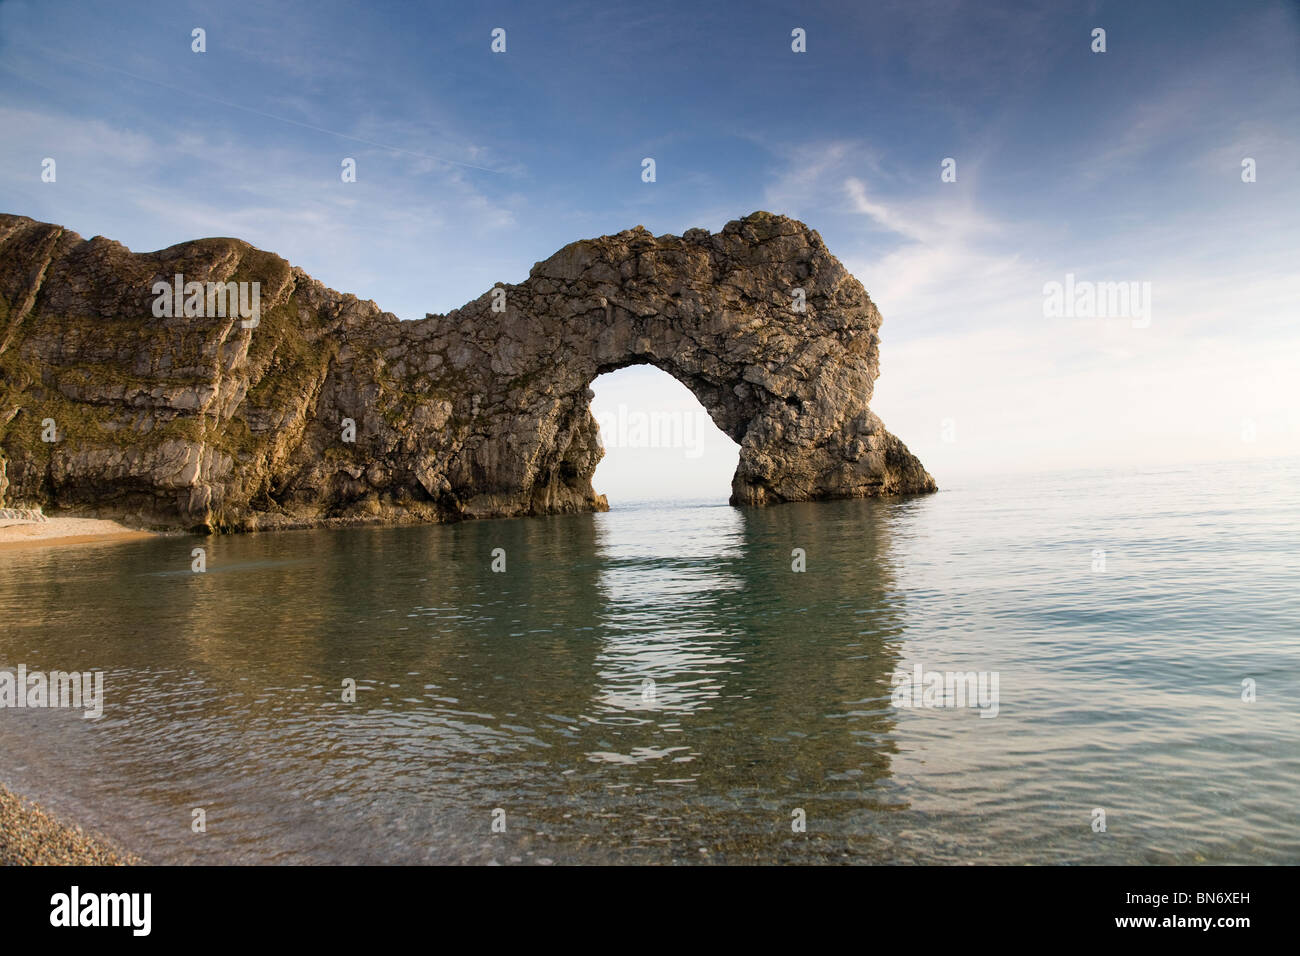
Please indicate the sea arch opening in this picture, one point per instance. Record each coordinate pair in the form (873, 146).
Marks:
(660, 442)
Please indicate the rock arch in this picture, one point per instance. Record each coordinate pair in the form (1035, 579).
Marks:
(480, 412)
(716, 312)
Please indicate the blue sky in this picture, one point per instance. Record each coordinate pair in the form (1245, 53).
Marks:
(471, 166)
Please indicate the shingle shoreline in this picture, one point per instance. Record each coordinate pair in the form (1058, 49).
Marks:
(30, 836)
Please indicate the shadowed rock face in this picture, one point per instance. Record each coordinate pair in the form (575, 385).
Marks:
(199, 422)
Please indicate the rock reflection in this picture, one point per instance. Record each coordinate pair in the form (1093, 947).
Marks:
(527, 689)
(770, 687)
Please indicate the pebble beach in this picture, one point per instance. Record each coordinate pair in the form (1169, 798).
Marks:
(30, 836)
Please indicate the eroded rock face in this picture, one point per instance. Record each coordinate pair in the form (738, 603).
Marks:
(200, 422)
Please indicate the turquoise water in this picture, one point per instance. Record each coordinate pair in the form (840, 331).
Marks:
(525, 691)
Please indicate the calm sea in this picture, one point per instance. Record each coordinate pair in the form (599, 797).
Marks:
(657, 684)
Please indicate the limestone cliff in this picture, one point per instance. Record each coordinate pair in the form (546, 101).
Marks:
(200, 422)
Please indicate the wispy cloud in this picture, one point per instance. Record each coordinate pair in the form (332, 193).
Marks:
(959, 281)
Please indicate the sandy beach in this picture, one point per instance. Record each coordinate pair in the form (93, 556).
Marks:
(29, 836)
(61, 530)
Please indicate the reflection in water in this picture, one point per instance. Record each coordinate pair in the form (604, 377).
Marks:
(657, 684)
(525, 690)
(770, 686)
(663, 615)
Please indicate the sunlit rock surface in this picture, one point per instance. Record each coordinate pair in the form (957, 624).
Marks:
(200, 422)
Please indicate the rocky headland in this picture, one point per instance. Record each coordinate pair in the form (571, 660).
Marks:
(324, 409)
